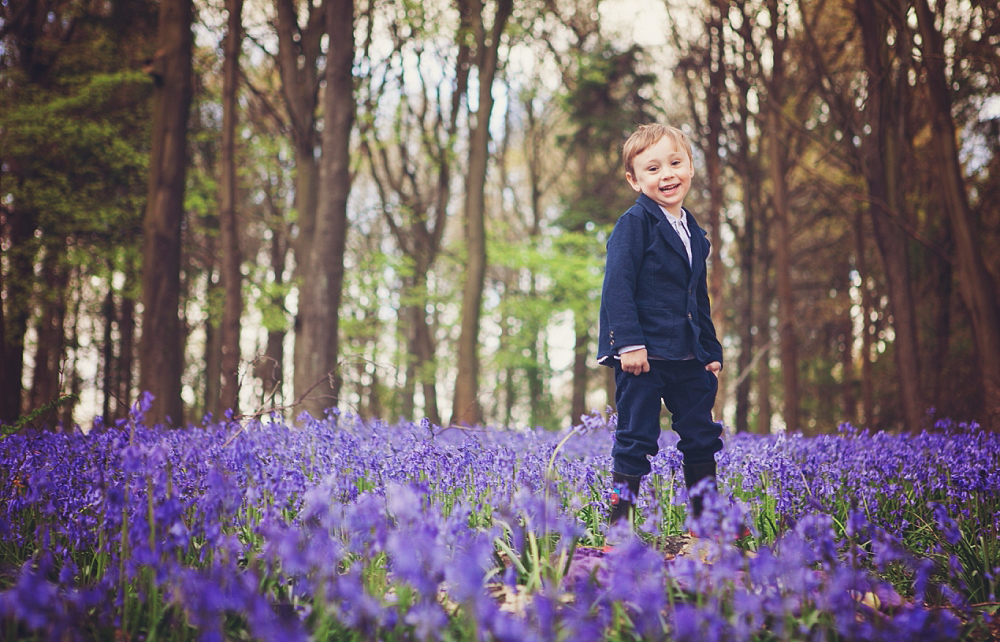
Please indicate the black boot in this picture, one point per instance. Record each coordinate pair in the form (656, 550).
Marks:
(624, 491)
(694, 473)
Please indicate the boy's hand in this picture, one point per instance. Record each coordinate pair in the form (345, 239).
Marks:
(714, 368)
(635, 361)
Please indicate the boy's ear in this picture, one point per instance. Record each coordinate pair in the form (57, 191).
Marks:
(631, 181)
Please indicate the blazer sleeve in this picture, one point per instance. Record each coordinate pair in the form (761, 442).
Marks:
(624, 260)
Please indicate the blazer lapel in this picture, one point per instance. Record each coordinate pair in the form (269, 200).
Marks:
(664, 227)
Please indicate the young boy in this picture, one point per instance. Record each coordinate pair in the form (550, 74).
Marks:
(656, 320)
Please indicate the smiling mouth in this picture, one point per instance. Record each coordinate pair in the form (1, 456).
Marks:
(670, 188)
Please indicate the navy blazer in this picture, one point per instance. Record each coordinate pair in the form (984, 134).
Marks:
(651, 295)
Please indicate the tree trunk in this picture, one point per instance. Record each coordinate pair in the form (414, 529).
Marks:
(763, 374)
(782, 241)
(126, 348)
(824, 395)
(232, 258)
(534, 329)
(610, 387)
(307, 177)
(213, 336)
(882, 150)
(319, 303)
(160, 355)
(867, 331)
(109, 387)
(975, 282)
(849, 381)
(504, 413)
(578, 401)
(72, 382)
(50, 330)
(298, 52)
(20, 250)
(942, 326)
(270, 369)
(578, 394)
(746, 314)
(375, 409)
(407, 316)
(713, 167)
(424, 351)
(466, 408)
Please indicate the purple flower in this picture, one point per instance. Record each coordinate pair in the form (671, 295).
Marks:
(948, 526)
(141, 407)
(428, 619)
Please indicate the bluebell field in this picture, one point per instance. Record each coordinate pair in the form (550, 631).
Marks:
(343, 529)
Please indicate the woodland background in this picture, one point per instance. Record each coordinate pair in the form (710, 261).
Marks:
(400, 207)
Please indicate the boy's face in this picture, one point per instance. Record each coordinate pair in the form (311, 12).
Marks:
(663, 172)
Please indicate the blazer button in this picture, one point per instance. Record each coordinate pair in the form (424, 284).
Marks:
(612, 342)
(689, 315)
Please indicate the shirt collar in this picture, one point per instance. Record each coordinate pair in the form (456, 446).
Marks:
(678, 223)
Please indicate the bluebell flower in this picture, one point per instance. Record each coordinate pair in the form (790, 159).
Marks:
(428, 620)
(948, 526)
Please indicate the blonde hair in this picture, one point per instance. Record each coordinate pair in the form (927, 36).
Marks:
(648, 135)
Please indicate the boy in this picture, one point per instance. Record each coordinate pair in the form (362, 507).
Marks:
(656, 320)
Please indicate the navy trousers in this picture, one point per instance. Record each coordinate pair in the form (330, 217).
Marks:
(688, 390)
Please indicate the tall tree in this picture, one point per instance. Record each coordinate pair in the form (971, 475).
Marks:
(867, 332)
(713, 168)
(299, 52)
(319, 300)
(975, 282)
(748, 170)
(466, 408)
(29, 49)
(125, 365)
(160, 356)
(536, 134)
(109, 386)
(777, 163)
(20, 247)
(882, 150)
(232, 258)
(50, 327)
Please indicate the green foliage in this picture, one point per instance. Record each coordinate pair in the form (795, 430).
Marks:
(550, 276)
(44, 409)
(568, 269)
(604, 107)
(80, 152)
(274, 318)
